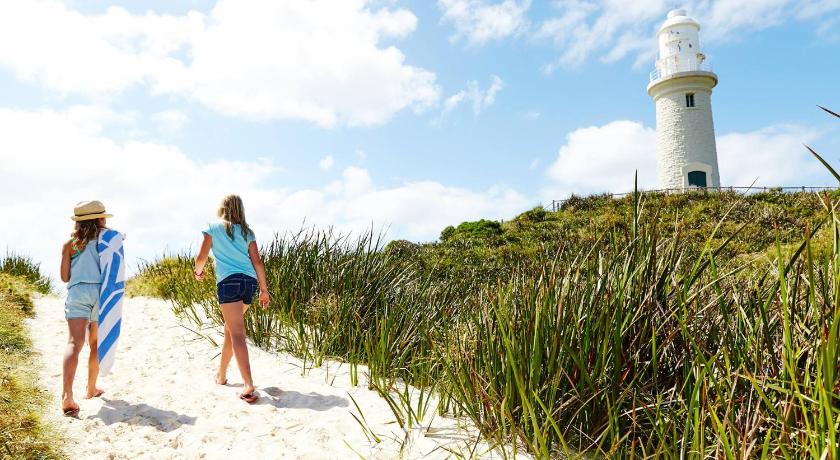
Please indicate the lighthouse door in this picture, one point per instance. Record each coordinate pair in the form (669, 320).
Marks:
(697, 179)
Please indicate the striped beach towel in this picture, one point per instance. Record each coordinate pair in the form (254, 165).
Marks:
(112, 266)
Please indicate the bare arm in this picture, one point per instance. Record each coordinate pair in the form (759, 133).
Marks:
(65, 261)
(259, 267)
(201, 258)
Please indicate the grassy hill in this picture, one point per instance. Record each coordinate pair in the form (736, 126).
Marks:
(754, 222)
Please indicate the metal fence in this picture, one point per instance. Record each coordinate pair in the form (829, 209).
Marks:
(557, 204)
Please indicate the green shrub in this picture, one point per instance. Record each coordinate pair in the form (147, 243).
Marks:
(482, 229)
(447, 233)
(537, 214)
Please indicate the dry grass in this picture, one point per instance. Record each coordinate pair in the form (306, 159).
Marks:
(22, 433)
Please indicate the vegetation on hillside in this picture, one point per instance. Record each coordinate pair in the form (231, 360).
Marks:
(24, 267)
(22, 434)
(488, 249)
(669, 326)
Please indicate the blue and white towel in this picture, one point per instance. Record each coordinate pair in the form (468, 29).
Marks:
(112, 266)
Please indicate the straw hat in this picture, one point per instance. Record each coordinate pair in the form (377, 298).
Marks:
(88, 210)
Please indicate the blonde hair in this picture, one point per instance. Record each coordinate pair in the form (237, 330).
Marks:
(85, 231)
(232, 212)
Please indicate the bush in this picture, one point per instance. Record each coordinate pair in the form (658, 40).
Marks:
(447, 233)
(26, 268)
(537, 214)
(481, 229)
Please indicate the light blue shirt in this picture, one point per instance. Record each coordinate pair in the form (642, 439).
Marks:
(231, 255)
(84, 266)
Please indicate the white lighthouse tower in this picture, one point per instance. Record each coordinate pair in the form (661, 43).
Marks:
(681, 86)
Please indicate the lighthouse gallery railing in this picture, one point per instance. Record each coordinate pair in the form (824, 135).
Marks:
(670, 68)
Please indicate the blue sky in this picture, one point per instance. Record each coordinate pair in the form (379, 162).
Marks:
(407, 114)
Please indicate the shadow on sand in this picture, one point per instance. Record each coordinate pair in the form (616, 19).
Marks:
(119, 411)
(283, 399)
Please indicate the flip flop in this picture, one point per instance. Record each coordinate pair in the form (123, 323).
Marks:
(249, 398)
(74, 413)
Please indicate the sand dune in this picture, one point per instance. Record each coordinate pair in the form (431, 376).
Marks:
(161, 401)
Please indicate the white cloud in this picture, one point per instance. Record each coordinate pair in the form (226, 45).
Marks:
(490, 95)
(162, 198)
(480, 21)
(316, 60)
(613, 29)
(829, 30)
(321, 61)
(773, 156)
(170, 121)
(480, 99)
(327, 162)
(43, 41)
(454, 100)
(604, 159)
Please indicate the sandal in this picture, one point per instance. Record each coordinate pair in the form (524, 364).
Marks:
(249, 398)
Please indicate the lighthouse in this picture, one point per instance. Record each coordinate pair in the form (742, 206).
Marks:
(681, 87)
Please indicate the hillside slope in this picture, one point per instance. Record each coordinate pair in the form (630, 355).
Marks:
(491, 247)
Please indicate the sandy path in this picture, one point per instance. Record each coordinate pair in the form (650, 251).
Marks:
(161, 401)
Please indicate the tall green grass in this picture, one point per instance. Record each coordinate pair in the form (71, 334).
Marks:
(626, 347)
(634, 342)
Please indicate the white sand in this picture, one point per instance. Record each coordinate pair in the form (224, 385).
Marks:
(161, 401)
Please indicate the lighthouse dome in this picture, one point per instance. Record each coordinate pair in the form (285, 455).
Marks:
(678, 18)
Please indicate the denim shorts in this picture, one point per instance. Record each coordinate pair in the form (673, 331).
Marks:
(237, 287)
(83, 302)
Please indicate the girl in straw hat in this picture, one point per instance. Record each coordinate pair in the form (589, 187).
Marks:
(80, 270)
(239, 269)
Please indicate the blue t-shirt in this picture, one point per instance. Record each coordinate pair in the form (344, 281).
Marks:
(231, 255)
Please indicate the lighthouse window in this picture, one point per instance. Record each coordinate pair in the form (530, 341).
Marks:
(689, 100)
(697, 179)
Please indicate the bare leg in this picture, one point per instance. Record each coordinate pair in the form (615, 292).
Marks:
(233, 314)
(93, 362)
(75, 342)
(227, 354)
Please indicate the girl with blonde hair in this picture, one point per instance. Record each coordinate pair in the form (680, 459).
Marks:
(239, 269)
(80, 270)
